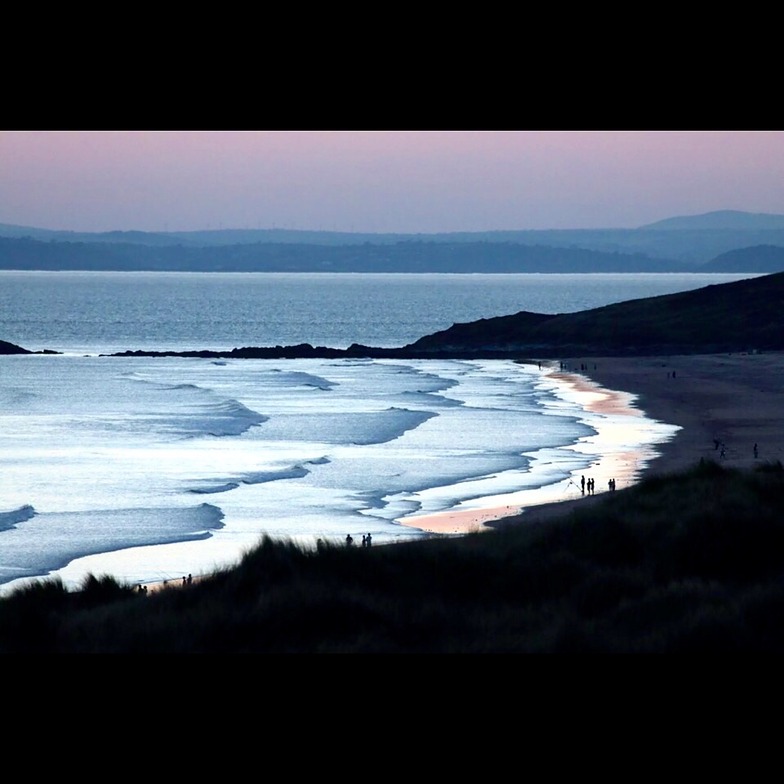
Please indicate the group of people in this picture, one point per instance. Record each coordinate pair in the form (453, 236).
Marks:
(590, 485)
(721, 447)
(366, 540)
(141, 588)
(587, 484)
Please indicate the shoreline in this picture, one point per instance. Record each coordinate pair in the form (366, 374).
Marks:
(617, 457)
(624, 465)
(731, 400)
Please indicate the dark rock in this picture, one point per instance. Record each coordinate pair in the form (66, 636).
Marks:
(10, 348)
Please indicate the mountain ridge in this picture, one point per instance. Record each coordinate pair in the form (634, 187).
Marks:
(680, 243)
(720, 219)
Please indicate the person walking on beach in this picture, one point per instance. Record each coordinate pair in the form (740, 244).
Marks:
(368, 539)
(582, 483)
(349, 540)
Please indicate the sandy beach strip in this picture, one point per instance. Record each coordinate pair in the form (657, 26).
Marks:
(734, 400)
(723, 404)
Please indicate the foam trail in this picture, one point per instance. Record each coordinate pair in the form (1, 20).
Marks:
(43, 543)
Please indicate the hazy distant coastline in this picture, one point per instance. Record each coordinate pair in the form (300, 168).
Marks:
(724, 241)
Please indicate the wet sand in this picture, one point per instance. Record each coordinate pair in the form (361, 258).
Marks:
(723, 403)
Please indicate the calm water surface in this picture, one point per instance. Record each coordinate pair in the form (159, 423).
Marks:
(117, 311)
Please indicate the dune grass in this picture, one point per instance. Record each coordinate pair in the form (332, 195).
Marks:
(685, 563)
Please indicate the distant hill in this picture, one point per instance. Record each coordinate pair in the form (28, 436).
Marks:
(723, 220)
(745, 315)
(12, 348)
(410, 256)
(674, 244)
(761, 258)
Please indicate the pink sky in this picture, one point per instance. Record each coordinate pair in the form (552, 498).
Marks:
(382, 181)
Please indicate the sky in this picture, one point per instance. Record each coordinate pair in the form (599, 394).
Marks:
(382, 181)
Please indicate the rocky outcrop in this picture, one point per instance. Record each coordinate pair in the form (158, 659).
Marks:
(10, 348)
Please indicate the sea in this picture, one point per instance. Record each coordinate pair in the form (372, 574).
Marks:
(151, 468)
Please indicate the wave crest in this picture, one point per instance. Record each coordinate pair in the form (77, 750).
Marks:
(10, 519)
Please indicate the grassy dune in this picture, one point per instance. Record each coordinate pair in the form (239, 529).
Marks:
(691, 562)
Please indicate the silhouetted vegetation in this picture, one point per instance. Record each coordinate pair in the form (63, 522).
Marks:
(685, 563)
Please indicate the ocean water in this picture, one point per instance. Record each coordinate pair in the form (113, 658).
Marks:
(152, 468)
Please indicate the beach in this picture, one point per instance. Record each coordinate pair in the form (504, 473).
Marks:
(724, 405)
(734, 400)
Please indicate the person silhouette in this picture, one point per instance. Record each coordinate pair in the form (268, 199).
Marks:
(368, 539)
(349, 540)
